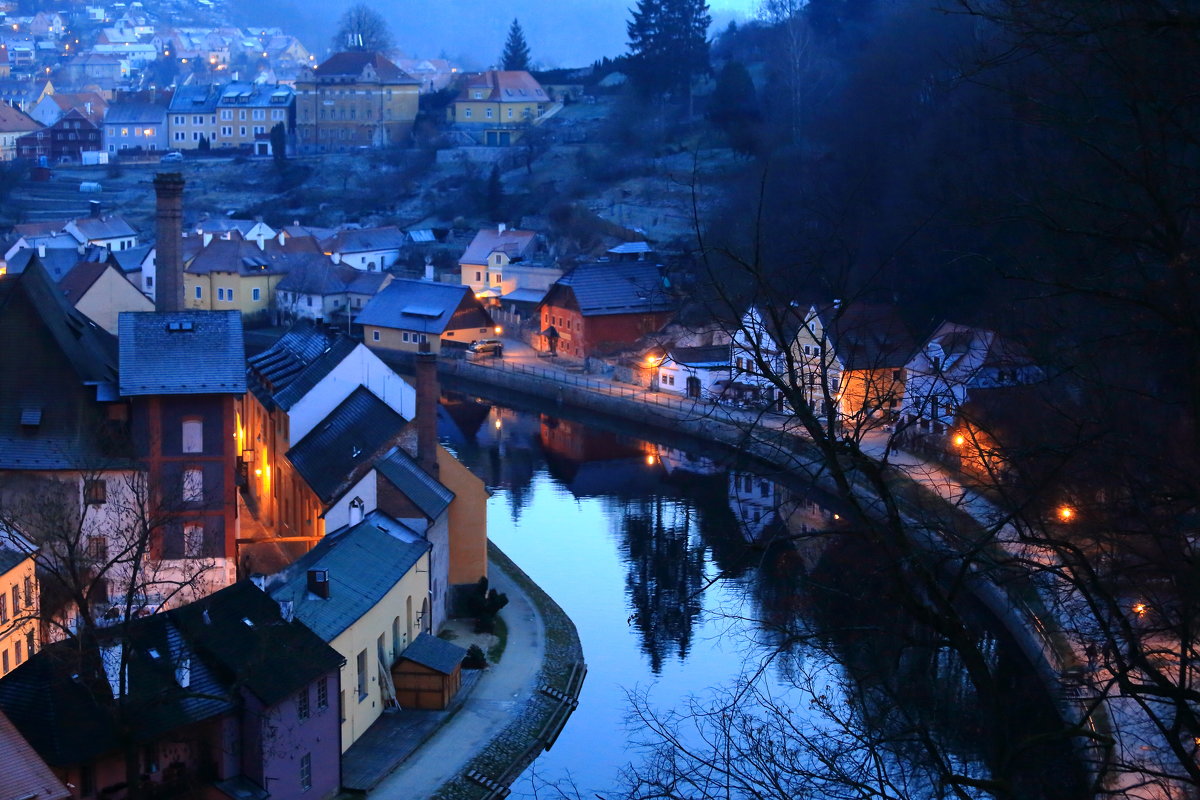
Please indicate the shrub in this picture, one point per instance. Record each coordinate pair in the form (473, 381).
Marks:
(475, 659)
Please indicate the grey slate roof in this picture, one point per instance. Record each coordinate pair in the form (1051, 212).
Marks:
(364, 561)
(362, 240)
(414, 305)
(617, 287)
(320, 276)
(711, 355)
(344, 445)
(430, 651)
(425, 491)
(288, 369)
(181, 352)
(135, 113)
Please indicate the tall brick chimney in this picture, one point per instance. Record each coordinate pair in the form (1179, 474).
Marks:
(427, 404)
(168, 260)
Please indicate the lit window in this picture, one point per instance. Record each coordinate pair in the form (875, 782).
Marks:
(193, 541)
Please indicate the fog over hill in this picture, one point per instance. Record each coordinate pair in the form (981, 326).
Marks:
(472, 32)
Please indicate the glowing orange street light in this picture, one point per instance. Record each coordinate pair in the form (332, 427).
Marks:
(960, 440)
(650, 460)
(499, 330)
(1066, 513)
(1140, 609)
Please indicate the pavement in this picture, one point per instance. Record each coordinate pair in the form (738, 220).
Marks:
(413, 754)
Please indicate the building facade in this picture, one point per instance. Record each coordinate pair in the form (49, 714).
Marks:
(354, 99)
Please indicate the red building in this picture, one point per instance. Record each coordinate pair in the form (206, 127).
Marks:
(604, 307)
(65, 140)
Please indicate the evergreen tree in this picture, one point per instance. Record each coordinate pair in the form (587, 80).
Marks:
(668, 44)
(516, 50)
(495, 195)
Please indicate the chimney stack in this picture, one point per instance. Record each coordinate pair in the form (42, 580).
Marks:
(429, 268)
(427, 402)
(168, 261)
(94, 208)
(318, 582)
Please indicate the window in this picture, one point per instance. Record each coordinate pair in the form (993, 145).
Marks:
(242, 115)
(242, 130)
(30, 644)
(255, 294)
(467, 114)
(193, 435)
(306, 772)
(478, 277)
(16, 598)
(342, 705)
(227, 131)
(406, 336)
(3, 608)
(362, 672)
(199, 293)
(374, 336)
(220, 293)
(4, 663)
(97, 548)
(29, 598)
(226, 115)
(302, 710)
(193, 540)
(322, 694)
(229, 295)
(95, 492)
(193, 485)
(17, 652)
(308, 300)
(510, 113)
(488, 113)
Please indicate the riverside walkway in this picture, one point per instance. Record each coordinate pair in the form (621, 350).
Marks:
(1049, 630)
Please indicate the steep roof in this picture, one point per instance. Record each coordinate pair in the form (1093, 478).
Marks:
(617, 287)
(322, 277)
(22, 773)
(241, 632)
(365, 562)
(418, 306)
(513, 243)
(504, 86)
(425, 491)
(75, 284)
(283, 374)
(181, 352)
(868, 336)
(437, 654)
(101, 227)
(53, 385)
(352, 63)
(249, 256)
(362, 240)
(339, 450)
(14, 121)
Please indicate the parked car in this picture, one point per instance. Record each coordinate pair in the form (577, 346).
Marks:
(493, 346)
(173, 157)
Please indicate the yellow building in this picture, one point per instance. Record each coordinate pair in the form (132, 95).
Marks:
(407, 314)
(231, 273)
(497, 106)
(364, 590)
(235, 115)
(18, 601)
(354, 99)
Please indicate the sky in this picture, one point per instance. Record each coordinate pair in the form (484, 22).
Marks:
(560, 34)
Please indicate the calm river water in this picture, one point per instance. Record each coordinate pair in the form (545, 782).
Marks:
(658, 556)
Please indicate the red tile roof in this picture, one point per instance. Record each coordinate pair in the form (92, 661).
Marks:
(22, 771)
(353, 62)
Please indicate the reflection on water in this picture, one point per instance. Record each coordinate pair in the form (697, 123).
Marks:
(685, 576)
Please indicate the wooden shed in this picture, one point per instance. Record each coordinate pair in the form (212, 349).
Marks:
(428, 673)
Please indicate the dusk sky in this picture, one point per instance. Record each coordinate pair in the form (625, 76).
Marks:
(570, 34)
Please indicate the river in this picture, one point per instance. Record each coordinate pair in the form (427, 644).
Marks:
(668, 561)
